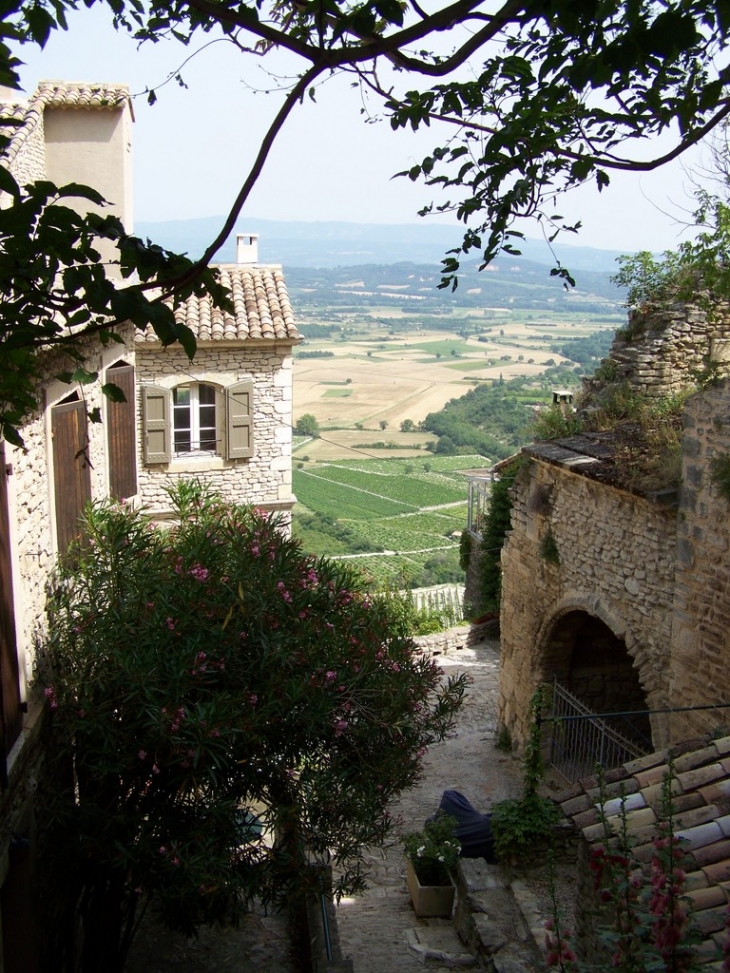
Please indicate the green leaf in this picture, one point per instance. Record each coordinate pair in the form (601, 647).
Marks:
(113, 392)
(83, 376)
(8, 183)
(39, 23)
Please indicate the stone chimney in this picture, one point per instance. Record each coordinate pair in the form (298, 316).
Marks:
(564, 399)
(247, 248)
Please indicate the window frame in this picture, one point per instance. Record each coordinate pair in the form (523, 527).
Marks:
(195, 428)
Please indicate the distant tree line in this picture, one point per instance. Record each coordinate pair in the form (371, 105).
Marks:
(591, 348)
(494, 420)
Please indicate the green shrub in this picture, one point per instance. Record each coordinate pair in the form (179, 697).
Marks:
(465, 548)
(205, 677)
(520, 823)
(553, 423)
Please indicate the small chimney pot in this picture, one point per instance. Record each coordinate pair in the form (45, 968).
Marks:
(247, 248)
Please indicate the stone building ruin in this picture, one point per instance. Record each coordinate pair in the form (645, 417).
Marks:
(619, 593)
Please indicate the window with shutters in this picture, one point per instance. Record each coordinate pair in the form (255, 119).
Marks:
(196, 419)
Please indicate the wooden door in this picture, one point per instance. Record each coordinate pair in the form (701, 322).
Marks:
(11, 716)
(71, 470)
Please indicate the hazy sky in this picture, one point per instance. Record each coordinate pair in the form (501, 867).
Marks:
(193, 148)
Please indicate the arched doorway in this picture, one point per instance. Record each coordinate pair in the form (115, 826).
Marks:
(593, 663)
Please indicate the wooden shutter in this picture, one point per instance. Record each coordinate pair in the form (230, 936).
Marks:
(156, 424)
(239, 421)
(120, 435)
(71, 471)
(11, 717)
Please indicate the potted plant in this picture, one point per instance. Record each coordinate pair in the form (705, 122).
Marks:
(431, 854)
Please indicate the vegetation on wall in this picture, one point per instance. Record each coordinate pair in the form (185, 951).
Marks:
(494, 533)
(720, 475)
(549, 547)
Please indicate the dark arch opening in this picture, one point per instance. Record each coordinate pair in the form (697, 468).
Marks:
(594, 664)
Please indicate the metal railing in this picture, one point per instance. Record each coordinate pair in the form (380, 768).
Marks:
(581, 740)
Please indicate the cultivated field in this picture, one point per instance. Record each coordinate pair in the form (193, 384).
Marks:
(387, 377)
(402, 517)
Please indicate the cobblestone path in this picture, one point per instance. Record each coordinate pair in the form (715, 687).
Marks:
(373, 929)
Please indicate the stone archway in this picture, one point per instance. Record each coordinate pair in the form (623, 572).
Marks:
(592, 661)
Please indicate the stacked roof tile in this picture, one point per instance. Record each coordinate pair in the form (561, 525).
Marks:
(701, 807)
(261, 309)
(56, 94)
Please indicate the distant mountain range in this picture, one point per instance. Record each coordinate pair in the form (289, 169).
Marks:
(340, 244)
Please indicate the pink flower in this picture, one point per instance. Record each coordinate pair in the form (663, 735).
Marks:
(330, 676)
(142, 754)
(155, 769)
(340, 727)
(170, 623)
(253, 698)
(162, 850)
(199, 572)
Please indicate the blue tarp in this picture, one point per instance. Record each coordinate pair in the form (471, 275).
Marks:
(474, 830)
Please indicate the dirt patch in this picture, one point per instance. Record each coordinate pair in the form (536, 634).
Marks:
(260, 944)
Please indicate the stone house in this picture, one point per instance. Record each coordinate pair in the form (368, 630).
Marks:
(224, 418)
(620, 594)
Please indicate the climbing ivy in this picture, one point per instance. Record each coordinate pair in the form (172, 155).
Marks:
(496, 525)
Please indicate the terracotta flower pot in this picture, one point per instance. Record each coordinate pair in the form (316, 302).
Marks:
(430, 900)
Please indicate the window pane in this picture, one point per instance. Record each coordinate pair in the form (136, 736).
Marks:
(207, 395)
(182, 441)
(181, 395)
(207, 417)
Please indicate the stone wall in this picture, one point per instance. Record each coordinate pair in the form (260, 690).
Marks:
(700, 673)
(263, 480)
(31, 489)
(662, 352)
(616, 563)
(29, 163)
(453, 640)
(473, 580)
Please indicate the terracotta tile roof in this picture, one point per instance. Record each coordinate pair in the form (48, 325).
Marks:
(262, 309)
(57, 94)
(701, 798)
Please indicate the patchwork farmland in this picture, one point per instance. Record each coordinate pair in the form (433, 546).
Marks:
(399, 520)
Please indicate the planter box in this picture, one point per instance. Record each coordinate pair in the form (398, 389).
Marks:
(429, 900)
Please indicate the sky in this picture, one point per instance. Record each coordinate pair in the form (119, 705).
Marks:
(193, 148)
